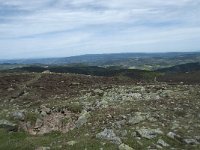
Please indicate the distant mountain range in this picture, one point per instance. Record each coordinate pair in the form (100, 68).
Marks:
(144, 61)
(167, 67)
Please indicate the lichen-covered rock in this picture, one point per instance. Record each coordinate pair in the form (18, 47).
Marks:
(149, 133)
(123, 133)
(191, 141)
(5, 124)
(103, 103)
(108, 134)
(82, 119)
(45, 111)
(162, 143)
(38, 123)
(138, 117)
(18, 115)
(120, 123)
(174, 136)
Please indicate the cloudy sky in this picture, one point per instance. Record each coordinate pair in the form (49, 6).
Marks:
(54, 28)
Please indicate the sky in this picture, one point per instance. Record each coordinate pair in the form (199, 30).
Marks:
(62, 28)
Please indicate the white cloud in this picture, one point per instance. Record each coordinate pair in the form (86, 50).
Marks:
(94, 26)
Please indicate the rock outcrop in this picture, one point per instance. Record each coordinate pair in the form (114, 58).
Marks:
(5, 124)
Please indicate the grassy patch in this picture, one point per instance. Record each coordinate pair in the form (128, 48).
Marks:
(14, 141)
(74, 107)
(32, 117)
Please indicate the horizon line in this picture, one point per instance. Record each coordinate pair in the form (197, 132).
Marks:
(35, 58)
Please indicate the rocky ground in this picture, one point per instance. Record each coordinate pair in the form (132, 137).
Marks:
(65, 111)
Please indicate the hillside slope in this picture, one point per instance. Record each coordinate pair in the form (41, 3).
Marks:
(67, 111)
(189, 67)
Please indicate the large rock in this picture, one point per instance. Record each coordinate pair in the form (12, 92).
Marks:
(174, 136)
(149, 133)
(108, 134)
(191, 141)
(162, 143)
(197, 138)
(18, 115)
(82, 119)
(45, 111)
(38, 123)
(56, 121)
(8, 125)
(123, 133)
(138, 117)
(120, 123)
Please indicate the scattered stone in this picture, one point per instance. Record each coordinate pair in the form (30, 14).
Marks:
(136, 119)
(45, 111)
(175, 125)
(167, 93)
(149, 133)
(154, 147)
(152, 119)
(5, 124)
(38, 123)
(120, 123)
(173, 135)
(125, 147)
(140, 143)
(72, 143)
(108, 134)
(43, 148)
(136, 96)
(10, 89)
(134, 134)
(75, 84)
(46, 72)
(158, 146)
(191, 141)
(82, 119)
(122, 108)
(56, 121)
(99, 92)
(123, 133)
(162, 143)
(139, 117)
(103, 103)
(197, 138)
